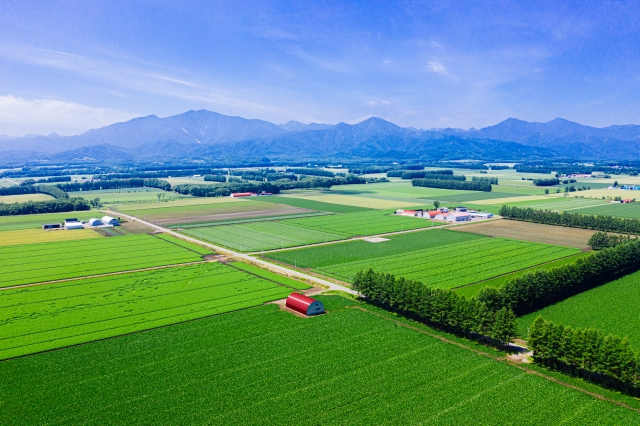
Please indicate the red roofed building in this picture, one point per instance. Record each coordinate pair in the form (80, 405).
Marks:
(304, 305)
(243, 194)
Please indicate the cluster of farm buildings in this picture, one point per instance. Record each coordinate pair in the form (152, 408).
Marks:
(459, 214)
(73, 223)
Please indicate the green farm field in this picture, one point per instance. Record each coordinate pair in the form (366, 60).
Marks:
(237, 368)
(34, 221)
(183, 202)
(630, 211)
(613, 308)
(359, 250)
(51, 316)
(23, 198)
(33, 263)
(314, 205)
(127, 195)
(281, 279)
(33, 236)
(457, 264)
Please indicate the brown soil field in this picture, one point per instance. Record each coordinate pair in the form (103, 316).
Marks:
(534, 232)
(232, 216)
(137, 228)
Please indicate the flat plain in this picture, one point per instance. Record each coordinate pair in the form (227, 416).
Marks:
(237, 368)
(631, 211)
(46, 317)
(23, 198)
(32, 236)
(35, 221)
(128, 195)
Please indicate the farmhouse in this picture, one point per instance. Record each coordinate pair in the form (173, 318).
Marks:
(457, 217)
(95, 222)
(431, 214)
(108, 220)
(243, 194)
(52, 226)
(304, 305)
(407, 212)
(72, 223)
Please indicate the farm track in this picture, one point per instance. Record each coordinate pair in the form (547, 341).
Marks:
(500, 359)
(176, 265)
(246, 257)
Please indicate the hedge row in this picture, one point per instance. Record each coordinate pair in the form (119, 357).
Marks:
(453, 184)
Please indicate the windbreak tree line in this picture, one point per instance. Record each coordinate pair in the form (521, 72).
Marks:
(224, 190)
(429, 175)
(311, 172)
(535, 290)
(453, 184)
(51, 206)
(491, 180)
(215, 178)
(115, 184)
(572, 220)
(52, 190)
(442, 309)
(602, 240)
(399, 173)
(609, 360)
(546, 182)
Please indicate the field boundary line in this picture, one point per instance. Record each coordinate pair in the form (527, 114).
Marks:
(263, 278)
(503, 360)
(175, 265)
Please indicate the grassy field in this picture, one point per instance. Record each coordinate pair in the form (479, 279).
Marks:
(195, 201)
(534, 232)
(244, 218)
(612, 308)
(355, 201)
(474, 289)
(352, 251)
(394, 190)
(555, 203)
(631, 210)
(261, 235)
(127, 195)
(237, 369)
(57, 315)
(456, 264)
(361, 224)
(289, 282)
(33, 236)
(35, 221)
(314, 205)
(23, 198)
(32, 263)
(182, 243)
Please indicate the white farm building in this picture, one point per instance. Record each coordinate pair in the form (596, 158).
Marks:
(95, 222)
(457, 217)
(108, 220)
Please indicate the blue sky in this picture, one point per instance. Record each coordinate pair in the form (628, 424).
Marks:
(68, 66)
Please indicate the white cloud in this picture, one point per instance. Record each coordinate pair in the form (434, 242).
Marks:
(48, 115)
(377, 103)
(437, 67)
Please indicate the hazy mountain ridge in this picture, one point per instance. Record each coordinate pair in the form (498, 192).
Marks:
(209, 135)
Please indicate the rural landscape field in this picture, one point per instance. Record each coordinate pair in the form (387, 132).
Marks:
(319, 213)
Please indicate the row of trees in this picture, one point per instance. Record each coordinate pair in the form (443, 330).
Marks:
(443, 309)
(399, 173)
(52, 190)
(115, 184)
(546, 182)
(535, 290)
(491, 180)
(588, 353)
(602, 240)
(453, 184)
(225, 190)
(311, 172)
(429, 175)
(572, 220)
(55, 179)
(215, 178)
(50, 206)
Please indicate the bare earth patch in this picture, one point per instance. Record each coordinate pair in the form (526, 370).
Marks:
(534, 232)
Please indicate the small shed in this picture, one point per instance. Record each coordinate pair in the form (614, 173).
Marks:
(304, 305)
(70, 224)
(243, 194)
(52, 226)
(95, 222)
(108, 220)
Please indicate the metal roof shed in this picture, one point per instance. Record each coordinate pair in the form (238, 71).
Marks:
(304, 305)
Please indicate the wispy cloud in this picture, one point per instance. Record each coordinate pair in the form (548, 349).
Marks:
(437, 67)
(62, 117)
(174, 80)
(377, 103)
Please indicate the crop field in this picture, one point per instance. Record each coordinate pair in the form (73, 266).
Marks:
(23, 198)
(33, 221)
(631, 210)
(361, 224)
(51, 316)
(289, 282)
(183, 202)
(612, 308)
(510, 199)
(458, 264)
(555, 203)
(127, 195)
(182, 243)
(261, 235)
(236, 369)
(534, 232)
(314, 205)
(32, 263)
(474, 289)
(475, 196)
(356, 201)
(351, 251)
(248, 217)
(395, 189)
(32, 236)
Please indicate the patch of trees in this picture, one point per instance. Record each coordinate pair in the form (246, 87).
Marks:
(369, 170)
(546, 182)
(442, 309)
(399, 173)
(491, 180)
(602, 240)
(429, 175)
(500, 167)
(311, 172)
(535, 290)
(453, 184)
(115, 184)
(50, 206)
(215, 178)
(55, 179)
(52, 190)
(573, 220)
(160, 174)
(588, 353)
(225, 190)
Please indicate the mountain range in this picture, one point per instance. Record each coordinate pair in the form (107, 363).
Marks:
(209, 136)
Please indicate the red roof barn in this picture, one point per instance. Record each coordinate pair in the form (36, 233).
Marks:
(305, 305)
